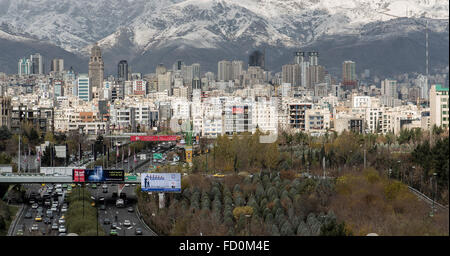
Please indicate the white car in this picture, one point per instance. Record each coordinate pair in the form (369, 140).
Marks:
(61, 221)
(62, 229)
(127, 223)
(35, 227)
(54, 208)
(64, 209)
(104, 186)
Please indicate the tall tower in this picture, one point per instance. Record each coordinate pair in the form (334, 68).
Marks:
(96, 68)
(122, 71)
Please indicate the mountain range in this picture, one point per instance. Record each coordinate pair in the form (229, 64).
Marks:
(385, 36)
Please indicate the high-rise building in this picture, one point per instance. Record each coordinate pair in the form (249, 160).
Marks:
(96, 68)
(37, 64)
(422, 82)
(439, 106)
(236, 69)
(58, 88)
(122, 71)
(257, 59)
(161, 69)
(24, 66)
(290, 73)
(84, 87)
(196, 70)
(178, 65)
(5, 112)
(224, 70)
(188, 75)
(349, 75)
(299, 57)
(57, 65)
(313, 58)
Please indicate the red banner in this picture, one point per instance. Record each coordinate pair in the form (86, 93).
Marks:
(154, 138)
(78, 175)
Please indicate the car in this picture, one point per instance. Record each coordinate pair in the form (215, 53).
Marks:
(38, 218)
(64, 209)
(130, 209)
(113, 232)
(64, 185)
(113, 225)
(47, 202)
(102, 207)
(55, 226)
(49, 214)
(94, 186)
(105, 190)
(54, 209)
(219, 175)
(120, 203)
(47, 220)
(61, 221)
(28, 215)
(35, 227)
(62, 229)
(19, 232)
(107, 221)
(72, 185)
(62, 234)
(126, 223)
(35, 206)
(138, 231)
(32, 201)
(104, 186)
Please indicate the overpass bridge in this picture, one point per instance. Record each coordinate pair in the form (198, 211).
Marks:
(38, 178)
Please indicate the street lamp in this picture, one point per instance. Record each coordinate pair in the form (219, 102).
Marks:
(248, 224)
(434, 194)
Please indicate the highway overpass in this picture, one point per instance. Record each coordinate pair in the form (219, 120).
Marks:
(44, 179)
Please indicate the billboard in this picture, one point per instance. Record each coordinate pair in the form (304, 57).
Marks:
(154, 138)
(64, 171)
(78, 175)
(98, 174)
(161, 182)
(238, 110)
(188, 150)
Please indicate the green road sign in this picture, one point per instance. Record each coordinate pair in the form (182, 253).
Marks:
(157, 155)
(131, 178)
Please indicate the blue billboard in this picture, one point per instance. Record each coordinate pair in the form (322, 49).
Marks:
(161, 182)
(99, 175)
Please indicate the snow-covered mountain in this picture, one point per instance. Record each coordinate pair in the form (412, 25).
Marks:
(133, 29)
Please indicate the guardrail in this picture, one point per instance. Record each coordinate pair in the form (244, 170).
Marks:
(427, 199)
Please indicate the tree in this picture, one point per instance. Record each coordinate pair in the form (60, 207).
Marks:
(331, 228)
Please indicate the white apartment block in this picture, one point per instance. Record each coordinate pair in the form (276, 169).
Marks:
(439, 106)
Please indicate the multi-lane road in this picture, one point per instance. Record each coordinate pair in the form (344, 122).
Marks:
(126, 219)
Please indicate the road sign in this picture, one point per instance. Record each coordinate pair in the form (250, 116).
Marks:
(131, 178)
(157, 156)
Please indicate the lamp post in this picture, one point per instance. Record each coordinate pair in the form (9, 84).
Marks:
(434, 194)
(247, 216)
